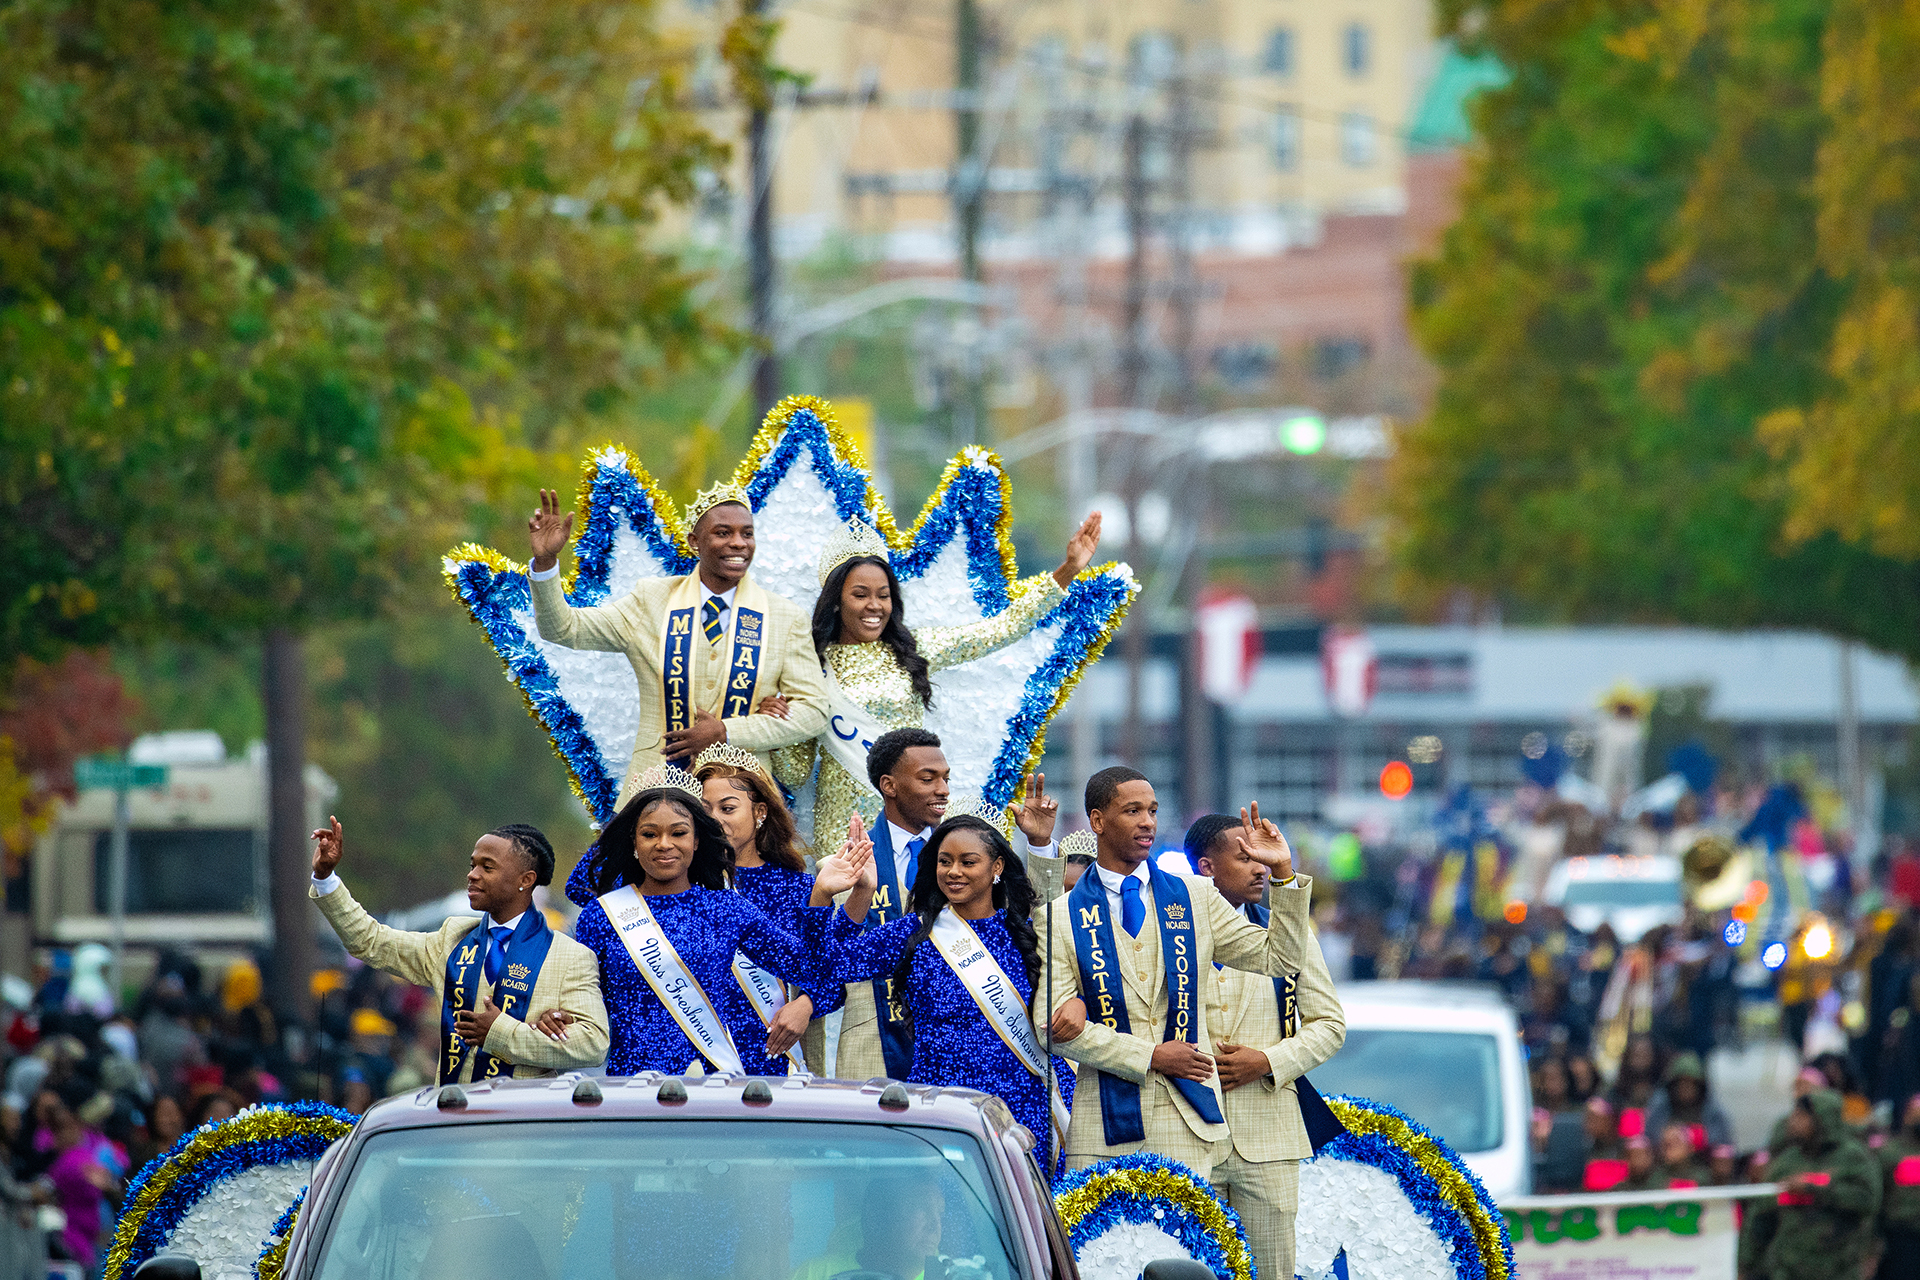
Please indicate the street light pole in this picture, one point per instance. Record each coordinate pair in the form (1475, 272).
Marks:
(117, 886)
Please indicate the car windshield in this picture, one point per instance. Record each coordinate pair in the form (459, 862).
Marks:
(668, 1200)
(1447, 1080)
(1623, 893)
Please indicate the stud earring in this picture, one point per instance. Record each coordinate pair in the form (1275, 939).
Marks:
(996, 879)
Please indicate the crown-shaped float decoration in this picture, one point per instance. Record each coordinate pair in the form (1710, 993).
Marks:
(855, 539)
(808, 489)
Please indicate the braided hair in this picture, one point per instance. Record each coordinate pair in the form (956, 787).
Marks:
(533, 846)
(1014, 894)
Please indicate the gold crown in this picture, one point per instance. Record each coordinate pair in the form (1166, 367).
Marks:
(725, 753)
(1082, 842)
(1176, 912)
(518, 972)
(857, 539)
(670, 777)
(971, 804)
(716, 495)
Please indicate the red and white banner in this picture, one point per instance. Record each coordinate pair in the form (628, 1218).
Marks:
(1228, 627)
(1350, 668)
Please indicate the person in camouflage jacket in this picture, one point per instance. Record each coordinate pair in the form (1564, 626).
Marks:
(1820, 1227)
(1900, 1199)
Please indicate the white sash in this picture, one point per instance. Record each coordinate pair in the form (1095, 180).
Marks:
(669, 977)
(850, 733)
(767, 996)
(998, 998)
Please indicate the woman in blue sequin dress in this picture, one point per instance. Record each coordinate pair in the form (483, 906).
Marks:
(767, 870)
(664, 843)
(969, 867)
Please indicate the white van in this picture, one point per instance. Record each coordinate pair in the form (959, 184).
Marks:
(1449, 1055)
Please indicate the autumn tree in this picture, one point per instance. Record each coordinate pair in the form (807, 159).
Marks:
(1636, 316)
(289, 292)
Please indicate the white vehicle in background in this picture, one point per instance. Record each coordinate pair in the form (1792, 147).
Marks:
(1631, 893)
(1449, 1055)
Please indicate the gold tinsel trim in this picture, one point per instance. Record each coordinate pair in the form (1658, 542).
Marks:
(1453, 1185)
(1159, 1184)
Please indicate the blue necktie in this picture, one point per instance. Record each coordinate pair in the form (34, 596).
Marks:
(914, 846)
(711, 618)
(1133, 911)
(497, 953)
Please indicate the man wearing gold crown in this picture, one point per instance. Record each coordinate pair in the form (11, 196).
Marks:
(706, 647)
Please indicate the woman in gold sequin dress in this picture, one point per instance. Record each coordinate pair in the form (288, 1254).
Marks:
(860, 629)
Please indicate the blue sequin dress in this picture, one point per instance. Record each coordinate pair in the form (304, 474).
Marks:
(706, 927)
(782, 897)
(953, 1044)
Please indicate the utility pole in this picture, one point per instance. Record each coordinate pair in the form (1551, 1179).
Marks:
(284, 681)
(1068, 197)
(969, 195)
(760, 266)
(1203, 724)
(1134, 635)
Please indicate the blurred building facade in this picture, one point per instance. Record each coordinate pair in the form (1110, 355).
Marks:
(1460, 702)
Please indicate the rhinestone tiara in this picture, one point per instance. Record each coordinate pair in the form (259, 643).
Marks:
(858, 538)
(716, 495)
(1082, 841)
(972, 804)
(725, 753)
(670, 777)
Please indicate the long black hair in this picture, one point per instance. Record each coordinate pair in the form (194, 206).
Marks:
(1014, 894)
(612, 862)
(826, 625)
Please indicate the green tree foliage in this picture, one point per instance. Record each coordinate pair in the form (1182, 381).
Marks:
(1642, 276)
(288, 292)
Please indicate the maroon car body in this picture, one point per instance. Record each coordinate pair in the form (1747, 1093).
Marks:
(1034, 1244)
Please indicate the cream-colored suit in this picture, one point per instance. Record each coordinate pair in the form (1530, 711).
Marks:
(1261, 1178)
(858, 1055)
(632, 625)
(1173, 1128)
(569, 981)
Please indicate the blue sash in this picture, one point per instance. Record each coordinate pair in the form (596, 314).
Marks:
(676, 672)
(1100, 984)
(526, 951)
(1322, 1125)
(889, 904)
(749, 632)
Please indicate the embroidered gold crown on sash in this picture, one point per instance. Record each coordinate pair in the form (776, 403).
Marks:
(725, 753)
(707, 499)
(670, 777)
(858, 539)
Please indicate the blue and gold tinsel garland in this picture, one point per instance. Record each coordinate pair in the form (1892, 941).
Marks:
(1155, 1192)
(972, 503)
(1434, 1180)
(273, 1250)
(168, 1187)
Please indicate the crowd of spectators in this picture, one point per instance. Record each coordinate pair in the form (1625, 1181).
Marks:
(92, 1091)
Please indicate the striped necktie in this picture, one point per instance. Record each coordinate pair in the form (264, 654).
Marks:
(710, 616)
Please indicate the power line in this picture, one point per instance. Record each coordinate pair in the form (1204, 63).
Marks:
(1107, 71)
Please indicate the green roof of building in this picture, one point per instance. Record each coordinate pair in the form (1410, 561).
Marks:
(1441, 122)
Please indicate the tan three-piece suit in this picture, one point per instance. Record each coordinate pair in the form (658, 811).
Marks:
(1260, 1176)
(1221, 933)
(632, 625)
(569, 981)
